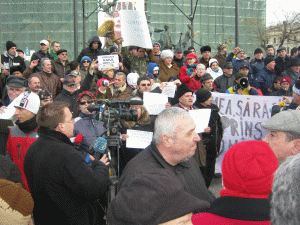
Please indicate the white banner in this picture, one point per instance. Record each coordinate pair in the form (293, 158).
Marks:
(134, 29)
(104, 60)
(241, 117)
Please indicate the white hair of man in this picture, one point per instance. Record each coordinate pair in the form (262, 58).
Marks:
(200, 65)
(165, 123)
(285, 202)
(166, 53)
(43, 61)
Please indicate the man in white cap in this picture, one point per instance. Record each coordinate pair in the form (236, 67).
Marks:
(24, 133)
(42, 53)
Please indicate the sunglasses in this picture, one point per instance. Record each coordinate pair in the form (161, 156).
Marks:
(83, 103)
(85, 61)
(145, 85)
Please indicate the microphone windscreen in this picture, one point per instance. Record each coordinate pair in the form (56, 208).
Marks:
(100, 145)
(136, 102)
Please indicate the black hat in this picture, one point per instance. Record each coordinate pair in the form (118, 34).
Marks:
(15, 68)
(295, 61)
(152, 198)
(258, 50)
(181, 90)
(69, 80)
(15, 81)
(61, 51)
(202, 95)
(228, 65)
(205, 48)
(244, 65)
(239, 75)
(294, 50)
(269, 59)
(44, 94)
(132, 47)
(150, 75)
(9, 45)
(20, 50)
(178, 50)
(280, 49)
(205, 77)
(113, 49)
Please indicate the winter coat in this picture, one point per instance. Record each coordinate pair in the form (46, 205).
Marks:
(40, 55)
(64, 188)
(59, 69)
(237, 63)
(91, 53)
(282, 92)
(252, 91)
(281, 65)
(204, 62)
(49, 82)
(291, 74)
(90, 128)
(224, 82)
(235, 211)
(187, 172)
(221, 59)
(213, 73)
(256, 66)
(121, 94)
(165, 72)
(179, 62)
(184, 76)
(264, 80)
(9, 61)
(9, 170)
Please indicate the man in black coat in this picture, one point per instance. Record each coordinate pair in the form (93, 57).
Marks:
(282, 62)
(173, 147)
(93, 50)
(64, 187)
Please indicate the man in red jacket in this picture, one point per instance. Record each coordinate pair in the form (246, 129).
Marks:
(24, 133)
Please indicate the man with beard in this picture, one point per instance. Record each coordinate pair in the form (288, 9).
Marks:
(24, 133)
(221, 55)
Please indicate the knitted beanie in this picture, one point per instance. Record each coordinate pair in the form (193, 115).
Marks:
(9, 45)
(202, 95)
(248, 170)
(269, 59)
(181, 90)
(16, 204)
(85, 58)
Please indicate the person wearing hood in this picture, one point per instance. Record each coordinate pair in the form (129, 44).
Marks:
(153, 68)
(24, 133)
(93, 50)
(214, 69)
(11, 58)
(188, 70)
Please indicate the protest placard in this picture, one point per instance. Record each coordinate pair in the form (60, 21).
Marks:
(169, 90)
(201, 118)
(135, 29)
(104, 60)
(154, 102)
(138, 139)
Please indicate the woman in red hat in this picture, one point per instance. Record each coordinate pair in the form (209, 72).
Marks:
(188, 70)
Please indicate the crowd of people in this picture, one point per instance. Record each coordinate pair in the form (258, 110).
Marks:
(47, 156)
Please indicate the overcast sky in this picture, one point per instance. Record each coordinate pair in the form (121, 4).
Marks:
(276, 9)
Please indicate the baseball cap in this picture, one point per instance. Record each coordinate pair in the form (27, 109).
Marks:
(28, 100)
(15, 81)
(69, 80)
(45, 42)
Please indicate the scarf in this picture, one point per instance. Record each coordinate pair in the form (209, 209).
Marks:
(190, 69)
(28, 125)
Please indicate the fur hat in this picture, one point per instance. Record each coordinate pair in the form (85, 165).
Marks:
(248, 169)
(221, 47)
(181, 90)
(202, 95)
(166, 53)
(205, 49)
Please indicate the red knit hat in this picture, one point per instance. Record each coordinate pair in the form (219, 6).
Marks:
(191, 56)
(85, 93)
(285, 79)
(248, 170)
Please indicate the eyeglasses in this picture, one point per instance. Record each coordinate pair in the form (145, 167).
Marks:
(146, 85)
(83, 103)
(85, 61)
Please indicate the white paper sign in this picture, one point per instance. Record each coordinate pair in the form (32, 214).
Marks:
(201, 118)
(169, 90)
(104, 60)
(154, 102)
(134, 29)
(138, 139)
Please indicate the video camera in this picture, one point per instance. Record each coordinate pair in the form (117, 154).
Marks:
(243, 84)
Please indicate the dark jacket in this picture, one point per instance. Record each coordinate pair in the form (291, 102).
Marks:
(66, 96)
(91, 53)
(237, 63)
(179, 62)
(281, 65)
(40, 55)
(224, 82)
(282, 92)
(276, 108)
(121, 94)
(264, 80)
(291, 74)
(9, 170)
(87, 125)
(234, 211)
(256, 66)
(221, 59)
(62, 185)
(9, 61)
(188, 172)
(59, 69)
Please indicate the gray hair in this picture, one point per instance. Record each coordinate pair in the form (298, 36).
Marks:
(166, 53)
(121, 74)
(43, 61)
(285, 202)
(200, 65)
(165, 123)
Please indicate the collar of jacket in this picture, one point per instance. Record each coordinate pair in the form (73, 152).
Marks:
(5, 53)
(155, 152)
(66, 62)
(52, 134)
(111, 86)
(65, 92)
(250, 209)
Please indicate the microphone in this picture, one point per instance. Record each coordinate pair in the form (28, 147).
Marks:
(130, 102)
(99, 146)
